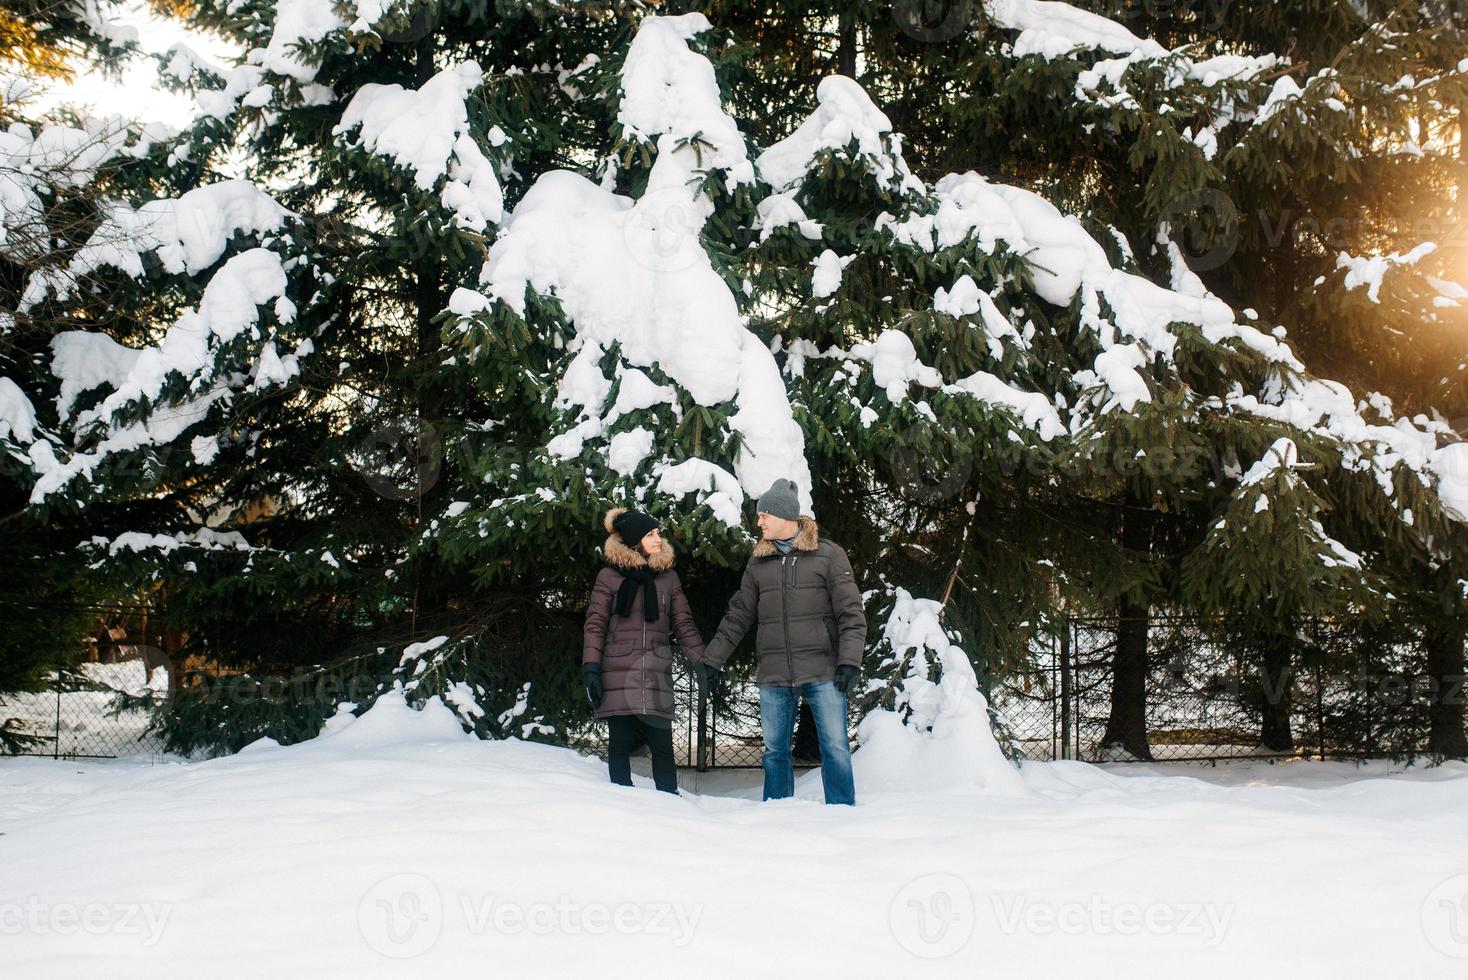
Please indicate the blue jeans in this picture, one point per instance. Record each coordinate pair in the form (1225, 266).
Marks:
(777, 708)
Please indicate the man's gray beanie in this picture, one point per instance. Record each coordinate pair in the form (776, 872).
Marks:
(781, 500)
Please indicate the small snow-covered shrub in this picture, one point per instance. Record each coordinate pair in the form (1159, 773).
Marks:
(926, 724)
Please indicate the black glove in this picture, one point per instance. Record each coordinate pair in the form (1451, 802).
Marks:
(708, 678)
(846, 675)
(591, 678)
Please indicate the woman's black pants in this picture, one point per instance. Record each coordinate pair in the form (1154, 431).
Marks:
(623, 732)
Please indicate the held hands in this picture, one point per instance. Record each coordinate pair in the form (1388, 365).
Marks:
(708, 677)
(591, 679)
(846, 675)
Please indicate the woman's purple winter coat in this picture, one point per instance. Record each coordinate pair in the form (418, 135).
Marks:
(636, 653)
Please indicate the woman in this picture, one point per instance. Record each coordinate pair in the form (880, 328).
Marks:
(636, 605)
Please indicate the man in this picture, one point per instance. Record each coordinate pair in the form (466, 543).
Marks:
(812, 631)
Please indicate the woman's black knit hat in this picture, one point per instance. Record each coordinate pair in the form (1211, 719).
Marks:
(633, 526)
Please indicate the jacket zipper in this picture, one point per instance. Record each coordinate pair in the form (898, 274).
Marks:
(785, 562)
(642, 687)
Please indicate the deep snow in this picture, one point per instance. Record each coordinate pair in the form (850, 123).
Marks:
(396, 834)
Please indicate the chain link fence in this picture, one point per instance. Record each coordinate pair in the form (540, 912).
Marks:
(73, 713)
(1207, 696)
(80, 712)
(1211, 696)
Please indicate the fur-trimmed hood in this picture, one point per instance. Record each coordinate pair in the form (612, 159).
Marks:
(806, 539)
(618, 553)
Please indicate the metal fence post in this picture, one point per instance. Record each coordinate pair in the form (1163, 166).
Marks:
(1319, 711)
(1065, 689)
(1054, 693)
(1368, 694)
(703, 721)
(56, 683)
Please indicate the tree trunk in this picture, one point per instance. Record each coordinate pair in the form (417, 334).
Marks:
(1445, 664)
(1126, 726)
(173, 659)
(1276, 685)
(846, 46)
(428, 289)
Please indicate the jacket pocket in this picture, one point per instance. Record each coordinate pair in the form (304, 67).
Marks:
(768, 606)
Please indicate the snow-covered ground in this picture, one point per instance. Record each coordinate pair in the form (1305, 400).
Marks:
(394, 845)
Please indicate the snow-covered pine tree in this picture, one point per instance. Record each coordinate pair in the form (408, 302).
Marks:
(57, 171)
(659, 388)
(925, 722)
(1296, 167)
(536, 240)
(1046, 361)
(864, 309)
(1188, 120)
(1289, 166)
(249, 437)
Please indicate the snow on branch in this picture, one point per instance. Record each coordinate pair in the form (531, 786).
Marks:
(203, 538)
(189, 349)
(1368, 270)
(1053, 30)
(632, 275)
(844, 114)
(299, 22)
(188, 234)
(37, 167)
(1066, 264)
(670, 89)
(427, 131)
(1426, 447)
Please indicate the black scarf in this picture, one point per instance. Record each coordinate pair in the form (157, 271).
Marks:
(628, 590)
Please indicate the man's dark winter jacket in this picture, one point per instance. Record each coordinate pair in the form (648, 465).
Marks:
(636, 653)
(808, 609)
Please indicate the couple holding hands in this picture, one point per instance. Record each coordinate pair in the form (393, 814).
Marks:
(799, 593)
